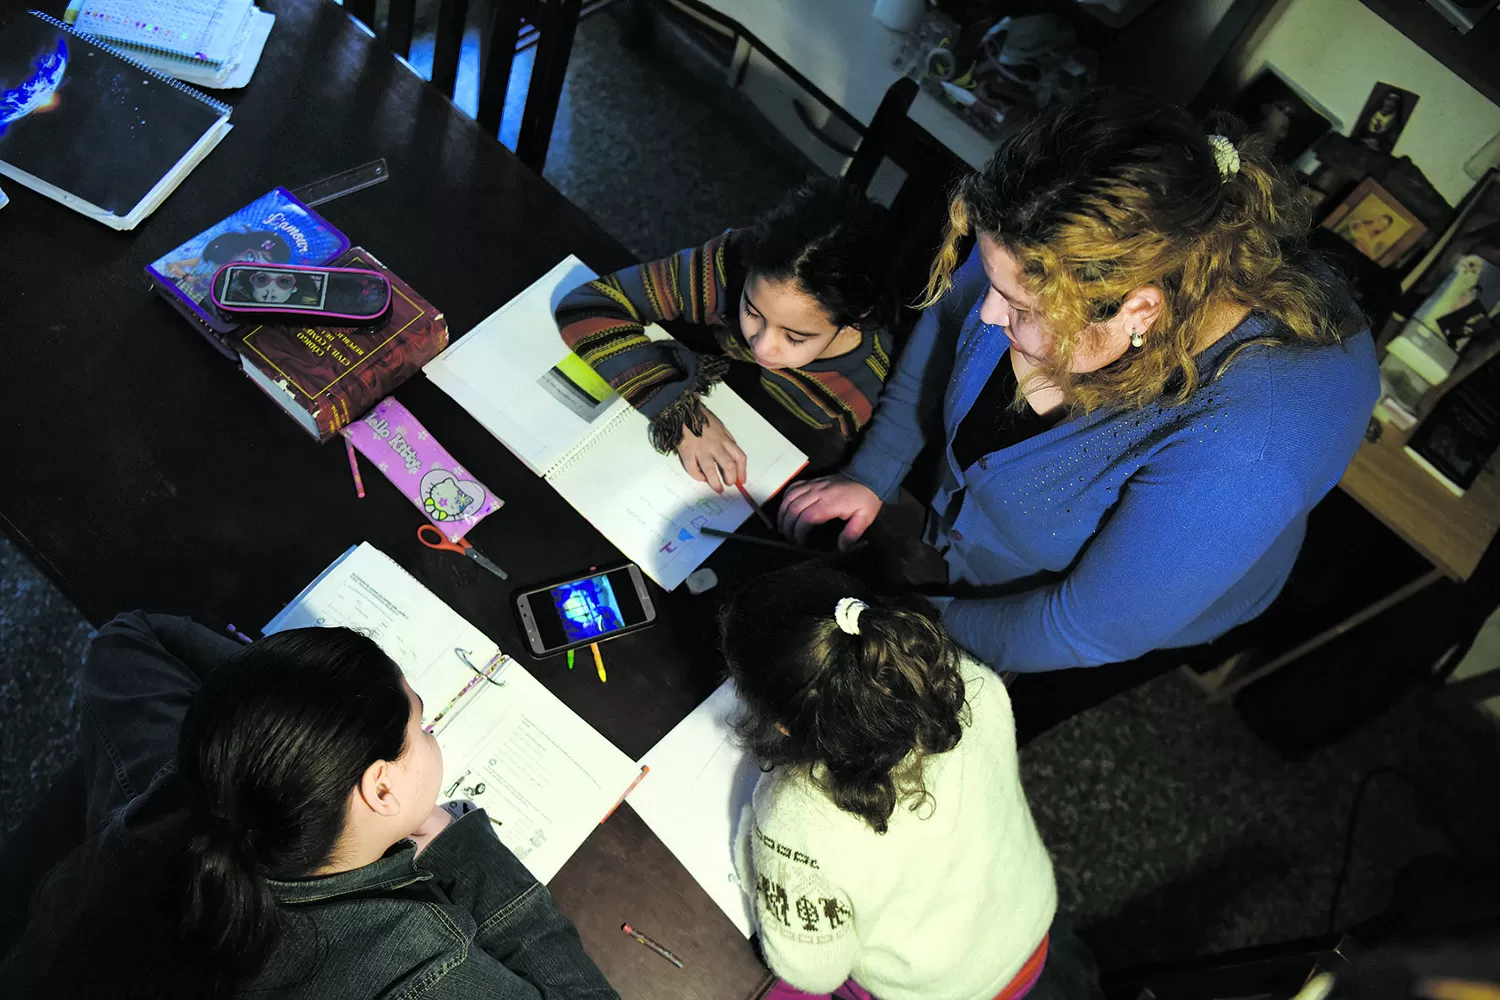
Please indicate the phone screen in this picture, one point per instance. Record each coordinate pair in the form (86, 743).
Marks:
(586, 610)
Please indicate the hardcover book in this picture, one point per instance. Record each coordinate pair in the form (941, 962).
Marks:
(326, 377)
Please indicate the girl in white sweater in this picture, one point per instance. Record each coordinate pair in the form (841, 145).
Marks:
(888, 847)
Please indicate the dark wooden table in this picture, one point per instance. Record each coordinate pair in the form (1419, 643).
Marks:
(142, 470)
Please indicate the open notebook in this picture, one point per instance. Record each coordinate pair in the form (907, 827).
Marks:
(97, 132)
(538, 769)
(209, 43)
(700, 781)
(515, 375)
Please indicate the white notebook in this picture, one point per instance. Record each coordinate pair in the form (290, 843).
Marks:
(546, 776)
(699, 782)
(198, 31)
(514, 374)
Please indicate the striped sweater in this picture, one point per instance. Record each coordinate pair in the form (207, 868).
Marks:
(603, 322)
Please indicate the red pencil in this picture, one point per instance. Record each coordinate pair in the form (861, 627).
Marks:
(755, 506)
(645, 770)
(359, 484)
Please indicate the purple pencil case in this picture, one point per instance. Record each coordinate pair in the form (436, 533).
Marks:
(317, 296)
(444, 491)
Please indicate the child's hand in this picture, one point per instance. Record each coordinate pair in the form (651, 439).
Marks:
(712, 457)
(436, 822)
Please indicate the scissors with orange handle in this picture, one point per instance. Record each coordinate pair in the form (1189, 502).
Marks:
(462, 547)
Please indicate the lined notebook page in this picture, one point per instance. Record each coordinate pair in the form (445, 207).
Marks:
(200, 30)
(651, 510)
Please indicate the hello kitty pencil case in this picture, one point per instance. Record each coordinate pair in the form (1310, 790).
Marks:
(399, 446)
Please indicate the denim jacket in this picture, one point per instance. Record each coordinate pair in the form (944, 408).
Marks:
(464, 919)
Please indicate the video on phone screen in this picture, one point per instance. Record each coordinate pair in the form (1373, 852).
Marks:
(587, 608)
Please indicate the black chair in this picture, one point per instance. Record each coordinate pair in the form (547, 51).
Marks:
(919, 209)
(555, 22)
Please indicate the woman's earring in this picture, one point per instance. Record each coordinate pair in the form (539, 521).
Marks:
(1136, 340)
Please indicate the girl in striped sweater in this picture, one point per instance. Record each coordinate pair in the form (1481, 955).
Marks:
(803, 293)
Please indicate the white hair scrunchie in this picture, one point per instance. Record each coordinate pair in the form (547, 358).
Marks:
(1226, 156)
(846, 614)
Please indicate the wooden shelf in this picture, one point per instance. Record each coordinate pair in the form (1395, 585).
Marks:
(1471, 57)
(1451, 531)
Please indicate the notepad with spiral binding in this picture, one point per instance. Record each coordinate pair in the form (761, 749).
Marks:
(92, 130)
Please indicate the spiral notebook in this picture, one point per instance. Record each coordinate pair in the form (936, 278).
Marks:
(514, 374)
(200, 31)
(92, 130)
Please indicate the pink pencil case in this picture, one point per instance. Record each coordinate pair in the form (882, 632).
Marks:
(422, 469)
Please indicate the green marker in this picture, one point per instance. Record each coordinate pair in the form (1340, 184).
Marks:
(570, 659)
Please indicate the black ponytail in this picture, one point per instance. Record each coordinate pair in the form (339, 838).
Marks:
(834, 244)
(849, 707)
(271, 748)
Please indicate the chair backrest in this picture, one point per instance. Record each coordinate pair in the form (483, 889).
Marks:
(446, 49)
(919, 209)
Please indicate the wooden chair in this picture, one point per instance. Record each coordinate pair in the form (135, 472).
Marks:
(556, 21)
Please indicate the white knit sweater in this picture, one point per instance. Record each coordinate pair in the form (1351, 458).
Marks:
(946, 905)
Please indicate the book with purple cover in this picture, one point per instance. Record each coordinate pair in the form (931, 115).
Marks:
(275, 228)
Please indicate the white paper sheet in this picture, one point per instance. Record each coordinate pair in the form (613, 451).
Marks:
(538, 769)
(692, 798)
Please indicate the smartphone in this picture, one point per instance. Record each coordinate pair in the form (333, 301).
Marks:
(323, 296)
(586, 609)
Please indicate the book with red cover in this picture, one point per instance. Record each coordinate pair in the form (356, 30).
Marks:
(326, 377)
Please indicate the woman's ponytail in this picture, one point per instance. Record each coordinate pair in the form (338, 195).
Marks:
(843, 683)
(230, 920)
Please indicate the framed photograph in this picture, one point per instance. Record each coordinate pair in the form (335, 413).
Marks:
(1386, 112)
(1273, 106)
(1474, 232)
(1377, 225)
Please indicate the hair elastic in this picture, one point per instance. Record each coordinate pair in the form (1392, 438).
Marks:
(846, 614)
(1226, 156)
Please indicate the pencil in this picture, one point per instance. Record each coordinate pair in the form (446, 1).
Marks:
(645, 770)
(570, 659)
(242, 637)
(598, 662)
(754, 506)
(359, 484)
(643, 939)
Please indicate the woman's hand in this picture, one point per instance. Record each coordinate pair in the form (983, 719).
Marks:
(712, 457)
(436, 822)
(813, 501)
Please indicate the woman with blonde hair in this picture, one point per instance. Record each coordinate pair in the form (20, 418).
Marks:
(1145, 379)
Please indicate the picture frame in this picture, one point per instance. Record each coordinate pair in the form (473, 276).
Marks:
(1384, 117)
(1475, 228)
(1274, 106)
(1375, 223)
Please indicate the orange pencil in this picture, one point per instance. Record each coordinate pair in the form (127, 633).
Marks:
(598, 662)
(645, 770)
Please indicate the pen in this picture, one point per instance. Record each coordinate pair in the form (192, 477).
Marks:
(598, 662)
(645, 770)
(473, 682)
(359, 484)
(643, 939)
(754, 506)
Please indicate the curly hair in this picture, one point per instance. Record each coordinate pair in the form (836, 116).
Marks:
(849, 709)
(832, 241)
(1119, 191)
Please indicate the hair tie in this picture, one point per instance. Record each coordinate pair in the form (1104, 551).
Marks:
(1226, 156)
(846, 614)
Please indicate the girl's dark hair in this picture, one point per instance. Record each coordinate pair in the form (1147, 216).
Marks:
(271, 748)
(1122, 190)
(833, 242)
(226, 246)
(852, 706)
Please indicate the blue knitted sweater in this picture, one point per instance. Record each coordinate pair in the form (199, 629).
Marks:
(1121, 531)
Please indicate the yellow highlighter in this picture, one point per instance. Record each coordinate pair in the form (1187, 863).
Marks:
(598, 662)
